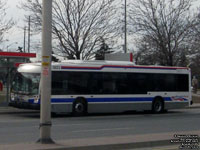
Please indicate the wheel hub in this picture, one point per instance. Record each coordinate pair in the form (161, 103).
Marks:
(79, 107)
(158, 106)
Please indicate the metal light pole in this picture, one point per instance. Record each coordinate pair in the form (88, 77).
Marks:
(29, 33)
(45, 104)
(125, 28)
(25, 39)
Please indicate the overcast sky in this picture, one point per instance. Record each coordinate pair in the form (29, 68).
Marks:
(16, 34)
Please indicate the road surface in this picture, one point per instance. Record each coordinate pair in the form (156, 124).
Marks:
(24, 127)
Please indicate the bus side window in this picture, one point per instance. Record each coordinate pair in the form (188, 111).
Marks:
(138, 83)
(182, 81)
(96, 81)
(59, 84)
(78, 82)
(109, 87)
(65, 85)
(159, 82)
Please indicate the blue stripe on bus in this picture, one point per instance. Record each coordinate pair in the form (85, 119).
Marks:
(99, 100)
(31, 100)
(62, 100)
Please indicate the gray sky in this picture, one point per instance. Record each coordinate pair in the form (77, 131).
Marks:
(16, 34)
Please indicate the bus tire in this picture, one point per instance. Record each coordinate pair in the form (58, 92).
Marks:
(79, 107)
(158, 105)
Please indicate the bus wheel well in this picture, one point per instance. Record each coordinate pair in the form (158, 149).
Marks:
(80, 106)
(158, 105)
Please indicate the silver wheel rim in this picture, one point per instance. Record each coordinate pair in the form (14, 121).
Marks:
(158, 106)
(79, 107)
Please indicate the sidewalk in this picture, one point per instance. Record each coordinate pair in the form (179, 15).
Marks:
(105, 143)
(196, 97)
(195, 105)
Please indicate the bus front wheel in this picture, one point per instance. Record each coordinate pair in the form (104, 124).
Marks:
(79, 107)
(158, 106)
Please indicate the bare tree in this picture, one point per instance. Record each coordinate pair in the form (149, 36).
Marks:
(78, 25)
(165, 25)
(5, 24)
(145, 55)
(194, 46)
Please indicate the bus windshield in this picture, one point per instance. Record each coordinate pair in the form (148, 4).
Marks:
(26, 83)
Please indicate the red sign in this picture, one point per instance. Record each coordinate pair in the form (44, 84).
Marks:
(16, 54)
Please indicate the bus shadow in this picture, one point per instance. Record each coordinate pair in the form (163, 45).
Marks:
(127, 113)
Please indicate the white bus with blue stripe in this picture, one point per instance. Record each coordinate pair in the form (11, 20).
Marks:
(82, 87)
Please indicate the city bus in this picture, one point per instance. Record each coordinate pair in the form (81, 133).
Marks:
(82, 87)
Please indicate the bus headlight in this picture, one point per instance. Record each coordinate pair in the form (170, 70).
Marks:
(12, 97)
(36, 99)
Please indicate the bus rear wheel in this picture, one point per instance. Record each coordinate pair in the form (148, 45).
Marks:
(158, 106)
(79, 107)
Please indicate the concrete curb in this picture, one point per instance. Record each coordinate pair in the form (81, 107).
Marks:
(118, 146)
(107, 143)
(121, 146)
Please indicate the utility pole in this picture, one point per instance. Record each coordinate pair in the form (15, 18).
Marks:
(45, 102)
(125, 28)
(24, 39)
(8, 81)
(29, 33)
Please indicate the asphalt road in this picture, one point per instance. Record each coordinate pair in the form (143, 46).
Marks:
(24, 127)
